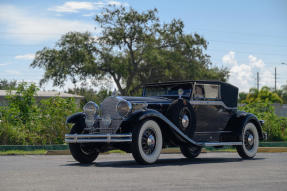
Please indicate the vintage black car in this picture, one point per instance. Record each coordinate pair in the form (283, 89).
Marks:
(187, 114)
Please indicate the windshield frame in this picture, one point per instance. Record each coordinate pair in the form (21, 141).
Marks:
(191, 84)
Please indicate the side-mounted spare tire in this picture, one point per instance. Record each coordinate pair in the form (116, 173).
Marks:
(181, 113)
(82, 152)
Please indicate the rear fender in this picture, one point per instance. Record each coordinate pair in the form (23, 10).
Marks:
(240, 119)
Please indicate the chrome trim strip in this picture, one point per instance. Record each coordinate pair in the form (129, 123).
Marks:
(93, 138)
(221, 144)
(202, 102)
(216, 132)
(96, 140)
(96, 135)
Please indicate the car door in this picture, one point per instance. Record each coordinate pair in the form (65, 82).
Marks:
(210, 114)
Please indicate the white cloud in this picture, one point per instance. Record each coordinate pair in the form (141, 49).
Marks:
(254, 62)
(89, 14)
(74, 6)
(117, 3)
(4, 64)
(77, 6)
(25, 27)
(240, 74)
(229, 58)
(25, 57)
(267, 78)
(244, 75)
(12, 72)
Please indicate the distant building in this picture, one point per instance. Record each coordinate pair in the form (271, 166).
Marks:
(42, 95)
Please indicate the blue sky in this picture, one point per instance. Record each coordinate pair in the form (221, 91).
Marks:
(245, 36)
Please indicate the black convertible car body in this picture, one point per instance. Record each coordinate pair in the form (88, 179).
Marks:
(187, 114)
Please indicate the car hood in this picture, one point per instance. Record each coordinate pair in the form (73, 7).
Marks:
(148, 100)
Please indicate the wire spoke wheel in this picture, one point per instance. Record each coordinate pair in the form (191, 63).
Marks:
(250, 141)
(147, 142)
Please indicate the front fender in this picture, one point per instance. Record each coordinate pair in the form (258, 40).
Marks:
(76, 118)
(136, 117)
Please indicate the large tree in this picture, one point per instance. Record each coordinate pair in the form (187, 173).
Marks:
(131, 48)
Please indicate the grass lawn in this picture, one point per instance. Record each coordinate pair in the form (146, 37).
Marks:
(19, 152)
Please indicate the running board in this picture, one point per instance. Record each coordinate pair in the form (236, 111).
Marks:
(221, 144)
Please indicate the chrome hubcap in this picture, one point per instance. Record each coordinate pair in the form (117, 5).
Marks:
(148, 141)
(185, 121)
(151, 141)
(250, 139)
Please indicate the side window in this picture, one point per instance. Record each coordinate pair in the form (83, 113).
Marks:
(199, 93)
(206, 92)
(211, 91)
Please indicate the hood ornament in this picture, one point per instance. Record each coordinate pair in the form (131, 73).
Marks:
(115, 93)
(180, 93)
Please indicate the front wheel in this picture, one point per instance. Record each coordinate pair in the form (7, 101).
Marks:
(82, 152)
(250, 142)
(147, 142)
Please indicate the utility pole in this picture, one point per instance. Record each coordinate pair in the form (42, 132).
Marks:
(258, 81)
(275, 78)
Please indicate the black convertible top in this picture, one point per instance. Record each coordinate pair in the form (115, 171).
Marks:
(229, 93)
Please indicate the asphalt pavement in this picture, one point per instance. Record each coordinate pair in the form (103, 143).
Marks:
(211, 171)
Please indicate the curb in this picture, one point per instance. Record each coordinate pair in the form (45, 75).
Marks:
(177, 151)
(58, 152)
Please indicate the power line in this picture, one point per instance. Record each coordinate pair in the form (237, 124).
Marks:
(248, 43)
(242, 33)
(243, 52)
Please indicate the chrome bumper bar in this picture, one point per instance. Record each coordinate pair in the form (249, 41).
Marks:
(97, 138)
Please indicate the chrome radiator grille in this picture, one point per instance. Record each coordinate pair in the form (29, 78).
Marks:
(110, 119)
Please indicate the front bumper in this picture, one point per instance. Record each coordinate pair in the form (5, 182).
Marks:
(97, 138)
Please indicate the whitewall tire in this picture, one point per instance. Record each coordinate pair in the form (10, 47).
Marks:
(147, 142)
(250, 141)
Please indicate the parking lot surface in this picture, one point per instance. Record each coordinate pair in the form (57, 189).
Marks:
(211, 171)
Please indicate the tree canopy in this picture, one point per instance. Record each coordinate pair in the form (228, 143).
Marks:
(131, 48)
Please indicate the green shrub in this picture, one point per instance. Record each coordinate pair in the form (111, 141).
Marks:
(54, 112)
(23, 121)
(276, 127)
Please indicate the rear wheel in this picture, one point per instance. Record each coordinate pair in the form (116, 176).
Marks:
(147, 142)
(250, 142)
(82, 152)
(190, 151)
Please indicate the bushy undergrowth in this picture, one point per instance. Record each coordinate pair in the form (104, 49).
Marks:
(23, 121)
(276, 127)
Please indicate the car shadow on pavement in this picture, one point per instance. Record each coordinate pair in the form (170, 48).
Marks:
(161, 162)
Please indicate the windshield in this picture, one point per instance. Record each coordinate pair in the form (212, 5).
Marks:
(168, 90)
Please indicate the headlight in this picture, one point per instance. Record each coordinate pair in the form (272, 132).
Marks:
(124, 107)
(91, 108)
